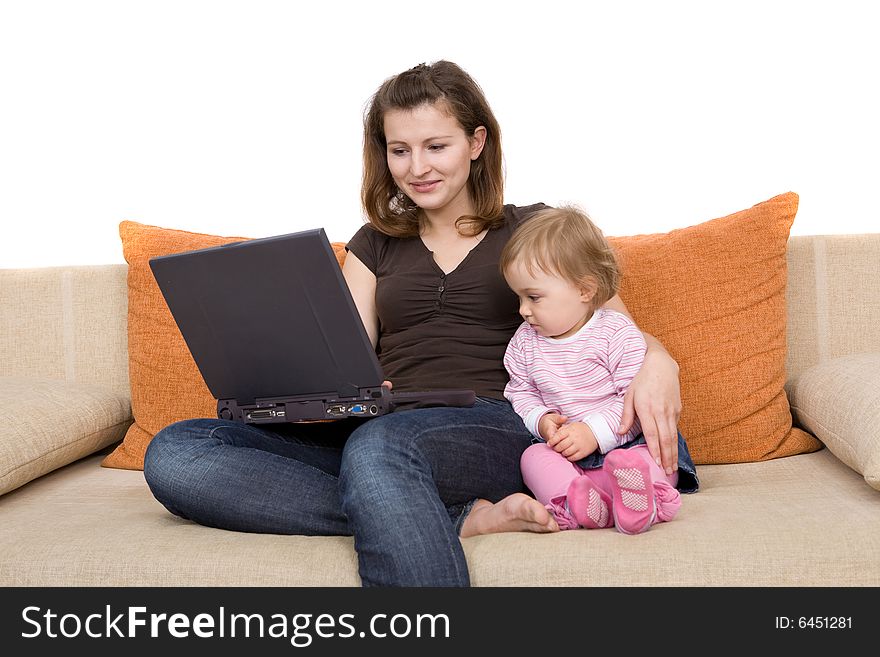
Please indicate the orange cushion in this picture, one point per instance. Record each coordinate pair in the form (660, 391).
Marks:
(714, 295)
(166, 385)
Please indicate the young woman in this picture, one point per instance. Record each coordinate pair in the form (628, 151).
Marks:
(424, 275)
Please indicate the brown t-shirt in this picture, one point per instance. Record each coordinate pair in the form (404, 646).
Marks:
(441, 330)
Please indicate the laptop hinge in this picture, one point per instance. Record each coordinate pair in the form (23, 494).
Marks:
(347, 390)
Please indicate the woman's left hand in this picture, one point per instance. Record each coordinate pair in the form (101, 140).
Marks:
(655, 397)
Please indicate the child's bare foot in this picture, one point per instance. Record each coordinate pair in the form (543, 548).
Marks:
(515, 513)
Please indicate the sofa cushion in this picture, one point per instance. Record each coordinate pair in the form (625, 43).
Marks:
(165, 383)
(839, 402)
(714, 295)
(83, 525)
(47, 423)
(802, 521)
(707, 292)
(807, 520)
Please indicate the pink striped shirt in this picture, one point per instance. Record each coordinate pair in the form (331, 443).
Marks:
(583, 376)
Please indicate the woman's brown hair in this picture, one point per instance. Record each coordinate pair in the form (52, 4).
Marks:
(388, 209)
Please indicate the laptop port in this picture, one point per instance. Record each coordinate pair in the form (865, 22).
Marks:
(336, 409)
(264, 414)
(374, 409)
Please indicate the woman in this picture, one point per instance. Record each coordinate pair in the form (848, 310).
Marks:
(424, 275)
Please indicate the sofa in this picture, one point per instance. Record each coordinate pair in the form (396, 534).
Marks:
(807, 520)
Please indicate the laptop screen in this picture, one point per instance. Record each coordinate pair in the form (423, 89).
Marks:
(269, 317)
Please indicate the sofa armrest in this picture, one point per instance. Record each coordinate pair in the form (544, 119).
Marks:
(66, 323)
(838, 401)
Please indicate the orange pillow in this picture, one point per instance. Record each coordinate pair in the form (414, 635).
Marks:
(166, 385)
(714, 295)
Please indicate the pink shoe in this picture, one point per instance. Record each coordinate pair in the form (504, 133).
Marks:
(632, 489)
(589, 504)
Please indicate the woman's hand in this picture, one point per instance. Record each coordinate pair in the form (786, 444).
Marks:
(655, 397)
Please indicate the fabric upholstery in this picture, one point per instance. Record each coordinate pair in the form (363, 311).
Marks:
(777, 523)
(106, 522)
(46, 423)
(807, 520)
(65, 323)
(839, 402)
(833, 298)
(714, 295)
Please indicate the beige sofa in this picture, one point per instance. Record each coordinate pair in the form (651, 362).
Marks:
(805, 520)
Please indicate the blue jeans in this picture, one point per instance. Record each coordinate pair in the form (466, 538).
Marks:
(401, 483)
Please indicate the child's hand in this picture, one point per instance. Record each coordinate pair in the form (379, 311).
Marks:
(549, 424)
(574, 441)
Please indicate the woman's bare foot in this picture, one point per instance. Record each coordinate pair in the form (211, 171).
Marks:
(515, 513)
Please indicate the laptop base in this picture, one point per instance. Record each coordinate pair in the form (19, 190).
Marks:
(370, 402)
(331, 406)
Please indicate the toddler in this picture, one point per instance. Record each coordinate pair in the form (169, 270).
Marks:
(570, 364)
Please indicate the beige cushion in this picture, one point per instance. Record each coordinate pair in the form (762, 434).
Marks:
(804, 520)
(93, 526)
(801, 521)
(65, 323)
(46, 423)
(825, 274)
(838, 401)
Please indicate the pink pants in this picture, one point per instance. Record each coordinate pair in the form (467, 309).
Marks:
(548, 475)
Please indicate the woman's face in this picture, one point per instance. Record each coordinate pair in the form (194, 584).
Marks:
(429, 156)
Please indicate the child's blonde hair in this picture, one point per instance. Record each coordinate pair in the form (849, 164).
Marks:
(565, 242)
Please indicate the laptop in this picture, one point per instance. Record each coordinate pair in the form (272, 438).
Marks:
(276, 335)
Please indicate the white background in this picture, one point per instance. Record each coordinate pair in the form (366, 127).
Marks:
(244, 117)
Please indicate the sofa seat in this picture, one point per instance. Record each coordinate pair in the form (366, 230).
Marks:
(800, 521)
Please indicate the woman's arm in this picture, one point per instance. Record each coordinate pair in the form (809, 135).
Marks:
(655, 397)
(362, 284)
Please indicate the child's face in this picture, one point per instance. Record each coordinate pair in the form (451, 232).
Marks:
(553, 306)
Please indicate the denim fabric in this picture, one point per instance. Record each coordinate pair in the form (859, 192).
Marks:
(687, 471)
(402, 483)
